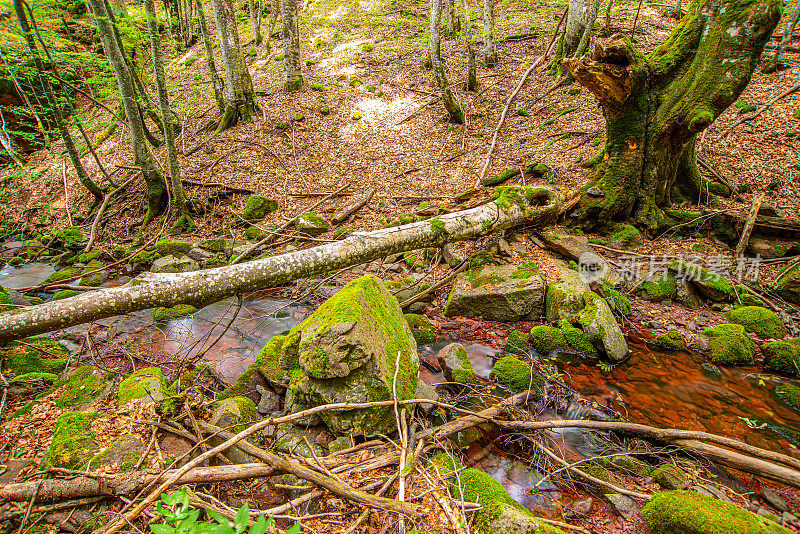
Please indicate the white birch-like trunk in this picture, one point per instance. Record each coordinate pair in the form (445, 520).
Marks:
(212, 68)
(578, 16)
(528, 205)
(489, 44)
(293, 78)
(450, 103)
(472, 70)
(239, 101)
(255, 21)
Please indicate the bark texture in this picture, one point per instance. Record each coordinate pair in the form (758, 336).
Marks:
(655, 106)
(212, 68)
(239, 100)
(450, 103)
(513, 206)
(489, 42)
(472, 70)
(579, 13)
(775, 63)
(255, 21)
(293, 79)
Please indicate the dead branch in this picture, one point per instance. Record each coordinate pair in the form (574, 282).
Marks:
(748, 226)
(345, 214)
(760, 110)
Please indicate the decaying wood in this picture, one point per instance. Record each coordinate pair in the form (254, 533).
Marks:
(343, 215)
(537, 205)
(449, 278)
(748, 226)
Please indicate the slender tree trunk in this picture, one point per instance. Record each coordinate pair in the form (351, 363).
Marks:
(579, 14)
(168, 20)
(276, 9)
(587, 31)
(156, 189)
(450, 102)
(655, 106)
(293, 78)
(178, 195)
(55, 109)
(472, 70)
(775, 63)
(451, 18)
(607, 30)
(514, 206)
(5, 141)
(239, 100)
(212, 68)
(489, 44)
(119, 8)
(255, 22)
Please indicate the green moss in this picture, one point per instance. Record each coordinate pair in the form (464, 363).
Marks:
(145, 256)
(217, 260)
(253, 234)
(525, 271)
(63, 274)
(703, 277)
(214, 245)
(730, 344)
(310, 218)
(24, 410)
(672, 340)
(34, 354)
(437, 225)
(81, 386)
(688, 512)
(162, 315)
(663, 288)
(70, 237)
(343, 232)
(761, 321)
(64, 294)
(546, 339)
(245, 407)
(517, 343)
(627, 235)
(669, 476)
(782, 357)
(258, 207)
(72, 446)
(421, 327)
(577, 340)
(166, 247)
(140, 385)
(88, 257)
(790, 395)
(620, 302)
(28, 377)
(747, 298)
(517, 376)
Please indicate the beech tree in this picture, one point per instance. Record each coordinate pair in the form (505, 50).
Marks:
(450, 103)
(579, 19)
(239, 100)
(775, 63)
(291, 45)
(212, 68)
(489, 44)
(656, 104)
(255, 20)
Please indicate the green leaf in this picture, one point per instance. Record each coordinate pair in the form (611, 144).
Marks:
(219, 518)
(260, 527)
(162, 529)
(294, 529)
(166, 498)
(242, 518)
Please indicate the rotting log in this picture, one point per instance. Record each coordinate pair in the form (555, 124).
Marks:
(511, 207)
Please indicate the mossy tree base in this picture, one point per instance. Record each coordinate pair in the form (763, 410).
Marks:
(655, 105)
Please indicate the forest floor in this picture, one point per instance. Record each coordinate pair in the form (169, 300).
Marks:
(303, 145)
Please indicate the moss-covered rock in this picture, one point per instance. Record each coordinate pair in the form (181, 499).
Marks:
(564, 299)
(670, 476)
(146, 384)
(81, 386)
(625, 236)
(688, 512)
(747, 298)
(63, 274)
(782, 356)
(710, 284)
(347, 351)
(266, 367)
(64, 294)
(517, 376)
(421, 327)
(456, 364)
(311, 224)
(547, 339)
(662, 288)
(762, 322)
(577, 340)
(517, 343)
(787, 285)
(790, 395)
(162, 315)
(258, 207)
(73, 445)
(216, 244)
(729, 344)
(601, 328)
(34, 354)
(167, 247)
(671, 340)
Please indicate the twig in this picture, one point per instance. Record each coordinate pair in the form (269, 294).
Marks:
(345, 214)
(66, 190)
(748, 226)
(412, 299)
(30, 507)
(760, 110)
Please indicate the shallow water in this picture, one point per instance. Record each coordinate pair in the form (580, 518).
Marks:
(28, 275)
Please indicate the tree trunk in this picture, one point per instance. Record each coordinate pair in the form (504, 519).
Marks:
(293, 79)
(212, 68)
(451, 18)
(655, 105)
(775, 63)
(178, 195)
(489, 44)
(156, 190)
(579, 14)
(239, 100)
(472, 70)
(450, 103)
(255, 22)
(276, 9)
(512, 207)
(55, 109)
(119, 7)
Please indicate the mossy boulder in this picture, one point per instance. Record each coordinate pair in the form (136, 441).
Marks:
(82, 386)
(711, 285)
(782, 356)
(167, 247)
(729, 344)
(689, 512)
(73, 444)
(564, 298)
(517, 343)
(562, 242)
(747, 297)
(421, 327)
(577, 340)
(517, 376)
(258, 207)
(162, 315)
(625, 236)
(547, 339)
(70, 238)
(64, 294)
(172, 264)
(311, 224)
(64, 274)
(91, 278)
(347, 351)
(216, 244)
(670, 476)
(601, 328)
(266, 368)
(34, 354)
(671, 340)
(456, 365)
(662, 288)
(147, 385)
(762, 322)
(498, 293)
(787, 285)
(790, 395)
(234, 412)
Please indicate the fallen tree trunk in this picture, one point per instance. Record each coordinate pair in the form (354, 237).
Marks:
(511, 207)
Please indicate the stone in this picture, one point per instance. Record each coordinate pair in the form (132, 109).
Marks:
(347, 351)
(517, 376)
(451, 257)
(671, 340)
(601, 328)
(311, 224)
(771, 247)
(198, 254)
(424, 332)
(146, 384)
(270, 401)
(774, 500)
(265, 368)
(710, 284)
(687, 295)
(456, 365)
(621, 505)
(670, 476)
(498, 293)
(172, 247)
(546, 339)
(258, 207)
(124, 453)
(231, 414)
(580, 509)
(562, 242)
(83, 386)
(171, 264)
(14, 466)
(564, 298)
(782, 356)
(729, 344)
(216, 244)
(73, 445)
(762, 322)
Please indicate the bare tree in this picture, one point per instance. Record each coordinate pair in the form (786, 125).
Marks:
(291, 45)
(452, 21)
(472, 71)
(239, 101)
(489, 44)
(775, 63)
(450, 103)
(579, 15)
(212, 68)
(255, 20)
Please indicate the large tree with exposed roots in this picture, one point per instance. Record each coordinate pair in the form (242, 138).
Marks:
(656, 104)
